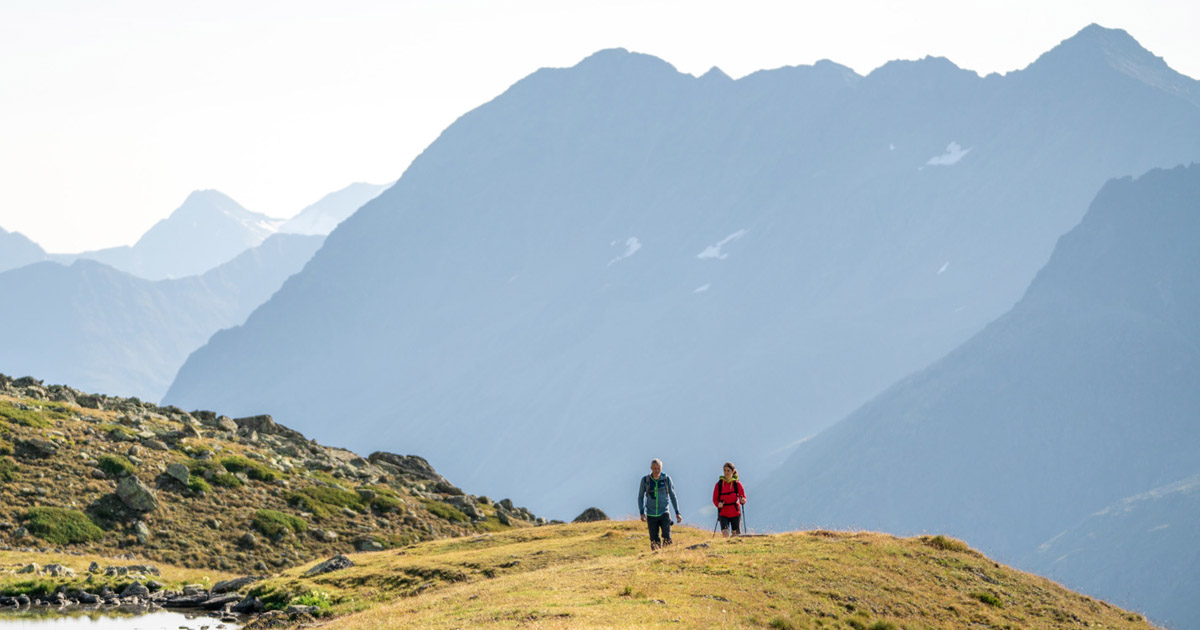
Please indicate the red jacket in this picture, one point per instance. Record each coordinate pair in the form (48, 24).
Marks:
(729, 493)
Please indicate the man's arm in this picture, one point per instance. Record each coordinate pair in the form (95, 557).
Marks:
(674, 501)
(641, 498)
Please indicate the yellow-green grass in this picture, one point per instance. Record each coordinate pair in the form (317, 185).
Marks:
(171, 576)
(603, 575)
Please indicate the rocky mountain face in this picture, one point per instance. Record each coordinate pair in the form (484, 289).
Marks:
(106, 330)
(112, 475)
(1082, 395)
(208, 230)
(325, 215)
(16, 250)
(616, 261)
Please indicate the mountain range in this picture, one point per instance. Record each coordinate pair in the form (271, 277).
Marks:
(107, 330)
(1029, 438)
(617, 261)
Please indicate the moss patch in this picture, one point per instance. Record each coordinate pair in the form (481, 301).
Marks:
(61, 526)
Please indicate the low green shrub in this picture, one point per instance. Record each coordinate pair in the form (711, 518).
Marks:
(384, 503)
(945, 544)
(213, 472)
(8, 469)
(448, 512)
(24, 417)
(61, 526)
(988, 598)
(5, 448)
(198, 484)
(319, 599)
(116, 465)
(274, 524)
(251, 468)
(320, 500)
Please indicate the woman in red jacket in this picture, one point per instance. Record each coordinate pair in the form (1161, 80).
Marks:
(729, 496)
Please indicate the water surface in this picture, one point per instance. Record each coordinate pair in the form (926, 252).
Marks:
(111, 619)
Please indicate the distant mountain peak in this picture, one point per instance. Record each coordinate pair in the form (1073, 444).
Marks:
(620, 59)
(715, 74)
(1096, 47)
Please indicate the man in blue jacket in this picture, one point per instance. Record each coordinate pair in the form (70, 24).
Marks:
(653, 493)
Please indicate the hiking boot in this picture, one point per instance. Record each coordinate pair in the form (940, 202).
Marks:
(655, 546)
(667, 542)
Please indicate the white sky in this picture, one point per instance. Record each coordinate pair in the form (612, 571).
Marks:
(112, 111)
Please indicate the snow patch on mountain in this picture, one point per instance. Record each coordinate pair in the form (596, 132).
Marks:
(954, 153)
(714, 251)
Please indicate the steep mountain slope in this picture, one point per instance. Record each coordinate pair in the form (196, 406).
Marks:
(1085, 393)
(324, 215)
(109, 331)
(1140, 551)
(616, 261)
(16, 250)
(208, 230)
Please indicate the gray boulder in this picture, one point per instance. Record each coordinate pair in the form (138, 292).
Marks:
(234, 585)
(179, 472)
(336, 563)
(591, 515)
(136, 495)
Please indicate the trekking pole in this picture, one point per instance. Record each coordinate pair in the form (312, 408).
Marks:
(715, 524)
(745, 528)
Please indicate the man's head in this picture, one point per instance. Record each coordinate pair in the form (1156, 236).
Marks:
(655, 466)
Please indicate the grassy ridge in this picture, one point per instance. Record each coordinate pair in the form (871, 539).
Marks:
(603, 575)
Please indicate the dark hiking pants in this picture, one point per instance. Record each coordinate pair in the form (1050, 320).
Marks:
(656, 523)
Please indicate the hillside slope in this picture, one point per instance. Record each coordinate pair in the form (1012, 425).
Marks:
(110, 476)
(602, 575)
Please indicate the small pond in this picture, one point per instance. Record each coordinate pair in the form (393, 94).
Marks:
(108, 619)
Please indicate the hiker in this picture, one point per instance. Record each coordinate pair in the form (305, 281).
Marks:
(729, 496)
(653, 493)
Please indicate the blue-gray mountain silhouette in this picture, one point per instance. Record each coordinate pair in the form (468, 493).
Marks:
(1085, 393)
(325, 214)
(617, 261)
(208, 230)
(16, 250)
(104, 330)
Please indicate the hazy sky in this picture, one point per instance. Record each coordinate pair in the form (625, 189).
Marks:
(112, 112)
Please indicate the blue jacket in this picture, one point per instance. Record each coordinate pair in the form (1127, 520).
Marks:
(653, 494)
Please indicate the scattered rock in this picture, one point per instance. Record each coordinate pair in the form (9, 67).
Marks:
(136, 589)
(336, 563)
(248, 540)
(249, 606)
(142, 532)
(136, 495)
(236, 584)
(591, 515)
(58, 570)
(36, 448)
(368, 544)
(32, 567)
(179, 472)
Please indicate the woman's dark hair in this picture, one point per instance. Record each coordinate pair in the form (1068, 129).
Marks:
(730, 466)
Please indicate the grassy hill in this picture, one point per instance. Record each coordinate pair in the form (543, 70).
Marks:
(603, 575)
(206, 491)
